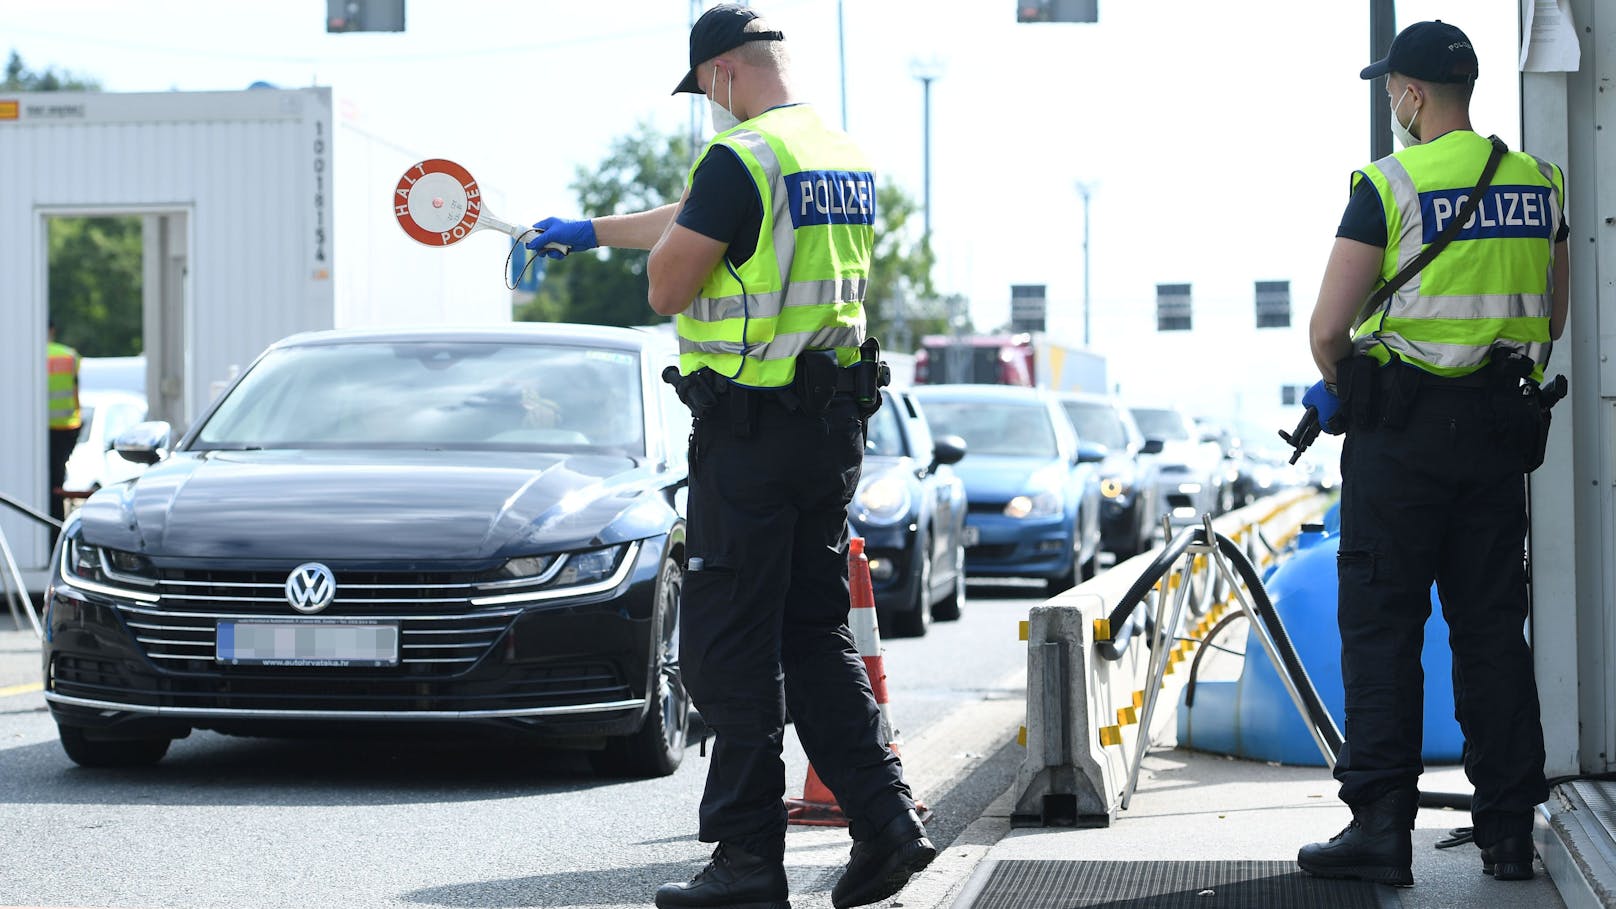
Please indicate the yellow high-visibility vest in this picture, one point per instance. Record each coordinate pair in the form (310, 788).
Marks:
(1492, 285)
(803, 288)
(63, 386)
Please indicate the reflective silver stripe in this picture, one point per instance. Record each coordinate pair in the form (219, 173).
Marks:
(784, 233)
(718, 309)
(1479, 306)
(1411, 241)
(767, 306)
(1446, 356)
(835, 290)
(782, 347)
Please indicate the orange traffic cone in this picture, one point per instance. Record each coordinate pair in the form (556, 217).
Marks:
(818, 807)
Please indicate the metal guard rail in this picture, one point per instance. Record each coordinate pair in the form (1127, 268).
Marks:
(12, 575)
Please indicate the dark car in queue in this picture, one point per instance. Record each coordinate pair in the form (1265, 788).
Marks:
(910, 509)
(1130, 500)
(1033, 494)
(473, 526)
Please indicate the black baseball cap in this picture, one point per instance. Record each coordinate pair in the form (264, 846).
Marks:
(1430, 52)
(720, 30)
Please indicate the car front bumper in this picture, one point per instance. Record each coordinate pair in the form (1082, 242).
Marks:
(1019, 547)
(567, 668)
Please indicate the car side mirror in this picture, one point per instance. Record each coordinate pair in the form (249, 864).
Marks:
(947, 450)
(144, 443)
(1090, 452)
(1151, 446)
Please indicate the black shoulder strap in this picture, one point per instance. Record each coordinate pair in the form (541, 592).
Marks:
(1383, 294)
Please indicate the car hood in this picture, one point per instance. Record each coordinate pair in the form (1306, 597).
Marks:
(370, 506)
(996, 478)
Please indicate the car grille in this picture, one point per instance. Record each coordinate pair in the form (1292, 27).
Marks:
(440, 632)
(974, 507)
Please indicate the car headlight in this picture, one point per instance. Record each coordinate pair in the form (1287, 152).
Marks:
(565, 574)
(1038, 505)
(1115, 487)
(882, 500)
(111, 572)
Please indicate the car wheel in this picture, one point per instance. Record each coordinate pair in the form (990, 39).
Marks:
(912, 622)
(659, 745)
(951, 607)
(91, 752)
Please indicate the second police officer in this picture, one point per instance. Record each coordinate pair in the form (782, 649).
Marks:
(1436, 383)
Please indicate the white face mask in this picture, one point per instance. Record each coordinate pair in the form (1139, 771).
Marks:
(723, 120)
(1403, 134)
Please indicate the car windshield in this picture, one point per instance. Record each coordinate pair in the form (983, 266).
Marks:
(1167, 425)
(995, 427)
(1097, 423)
(884, 437)
(435, 395)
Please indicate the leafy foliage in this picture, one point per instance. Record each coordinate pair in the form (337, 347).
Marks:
(95, 269)
(642, 170)
(21, 79)
(95, 284)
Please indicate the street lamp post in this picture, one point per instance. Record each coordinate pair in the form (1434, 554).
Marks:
(1085, 190)
(927, 71)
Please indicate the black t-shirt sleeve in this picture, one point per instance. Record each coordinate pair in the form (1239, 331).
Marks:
(1365, 217)
(723, 204)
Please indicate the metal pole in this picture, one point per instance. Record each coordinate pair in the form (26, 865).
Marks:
(925, 163)
(1084, 189)
(1382, 28)
(841, 53)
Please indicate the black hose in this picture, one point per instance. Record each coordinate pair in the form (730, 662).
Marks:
(1206, 644)
(1121, 620)
(1311, 704)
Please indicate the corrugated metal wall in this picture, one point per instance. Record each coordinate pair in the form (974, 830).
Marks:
(243, 166)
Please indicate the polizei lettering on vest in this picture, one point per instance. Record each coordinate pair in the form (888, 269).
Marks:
(831, 197)
(1503, 212)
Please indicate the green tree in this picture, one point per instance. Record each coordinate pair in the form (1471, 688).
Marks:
(643, 170)
(95, 284)
(21, 79)
(646, 169)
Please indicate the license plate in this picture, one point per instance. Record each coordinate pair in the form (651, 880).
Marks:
(973, 536)
(295, 643)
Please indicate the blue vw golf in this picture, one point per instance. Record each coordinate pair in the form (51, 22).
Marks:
(1033, 491)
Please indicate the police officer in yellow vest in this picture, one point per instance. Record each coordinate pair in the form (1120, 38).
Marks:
(765, 261)
(62, 391)
(1437, 392)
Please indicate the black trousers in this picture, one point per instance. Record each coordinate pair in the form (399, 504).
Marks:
(764, 622)
(1442, 499)
(61, 448)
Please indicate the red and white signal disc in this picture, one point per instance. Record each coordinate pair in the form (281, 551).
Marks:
(437, 202)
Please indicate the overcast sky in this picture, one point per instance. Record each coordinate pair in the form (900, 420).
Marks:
(1219, 136)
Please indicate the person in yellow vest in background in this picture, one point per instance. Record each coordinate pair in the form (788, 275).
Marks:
(1432, 364)
(765, 260)
(62, 393)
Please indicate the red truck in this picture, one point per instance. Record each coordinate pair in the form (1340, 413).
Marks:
(1036, 360)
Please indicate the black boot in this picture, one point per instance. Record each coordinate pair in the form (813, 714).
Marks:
(1509, 859)
(1376, 846)
(734, 879)
(881, 865)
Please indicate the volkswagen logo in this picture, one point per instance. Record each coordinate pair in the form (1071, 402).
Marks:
(310, 587)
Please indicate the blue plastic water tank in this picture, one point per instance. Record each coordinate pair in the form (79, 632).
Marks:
(1253, 716)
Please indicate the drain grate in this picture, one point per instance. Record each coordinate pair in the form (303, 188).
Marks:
(1171, 885)
(1601, 799)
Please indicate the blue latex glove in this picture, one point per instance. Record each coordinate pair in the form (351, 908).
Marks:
(1324, 403)
(561, 237)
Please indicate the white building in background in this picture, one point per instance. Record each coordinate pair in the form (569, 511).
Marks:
(266, 212)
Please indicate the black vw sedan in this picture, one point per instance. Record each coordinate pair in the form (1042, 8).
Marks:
(440, 526)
